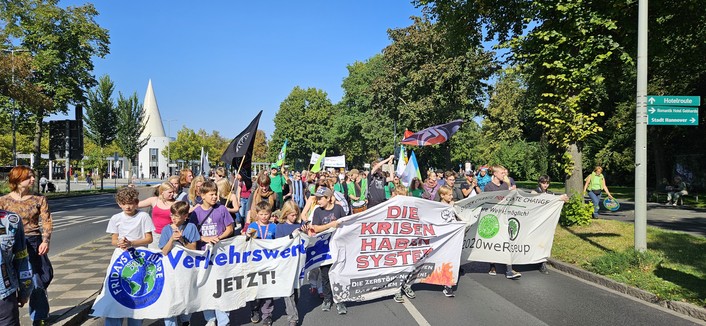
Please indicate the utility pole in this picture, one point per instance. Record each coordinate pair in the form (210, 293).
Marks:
(641, 131)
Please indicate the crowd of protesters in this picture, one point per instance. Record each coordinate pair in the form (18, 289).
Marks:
(192, 211)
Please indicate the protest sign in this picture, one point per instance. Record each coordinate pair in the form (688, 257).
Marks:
(143, 284)
(403, 240)
(511, 227)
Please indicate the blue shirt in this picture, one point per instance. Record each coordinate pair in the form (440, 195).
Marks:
(285, 229)
(189, 234)
(268, 230)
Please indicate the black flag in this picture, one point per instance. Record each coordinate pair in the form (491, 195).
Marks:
(240, 149)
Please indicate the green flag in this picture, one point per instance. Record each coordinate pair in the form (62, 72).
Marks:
(282, 154)
(319, 165)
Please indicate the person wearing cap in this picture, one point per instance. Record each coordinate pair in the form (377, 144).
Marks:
(483, 177)
(470, 187)
(325, 217)
(277, 185)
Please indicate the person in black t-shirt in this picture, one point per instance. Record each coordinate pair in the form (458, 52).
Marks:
(376, 183)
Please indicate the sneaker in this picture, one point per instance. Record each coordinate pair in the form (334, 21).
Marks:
(293, 323)
(267, 321)
(492, 272)
(449, 291)
(398, 297)
(514, 275)
(326, 306)
(407, 290)
(341, 308)
(255, 317)
(675, 204)
(543, 269)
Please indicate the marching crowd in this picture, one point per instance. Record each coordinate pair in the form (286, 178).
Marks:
(192, 211)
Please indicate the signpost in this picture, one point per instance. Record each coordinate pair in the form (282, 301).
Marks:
(673, 110)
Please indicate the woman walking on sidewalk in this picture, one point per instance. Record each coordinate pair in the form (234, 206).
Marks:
(31, 207)
(595, 184)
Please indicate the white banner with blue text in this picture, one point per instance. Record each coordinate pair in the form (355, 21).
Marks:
(144, 284)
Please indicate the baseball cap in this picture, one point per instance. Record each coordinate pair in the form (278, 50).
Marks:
(324, 192)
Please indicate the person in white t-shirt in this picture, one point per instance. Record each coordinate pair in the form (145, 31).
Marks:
(130, 228)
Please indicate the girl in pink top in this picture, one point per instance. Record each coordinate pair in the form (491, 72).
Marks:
(160, 204)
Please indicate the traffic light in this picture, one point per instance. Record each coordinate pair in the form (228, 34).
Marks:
(57, 139)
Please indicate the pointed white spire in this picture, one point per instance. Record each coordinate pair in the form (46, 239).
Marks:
(154, 126)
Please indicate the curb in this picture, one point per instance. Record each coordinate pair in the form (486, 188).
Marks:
(676, 306)
(78, 314)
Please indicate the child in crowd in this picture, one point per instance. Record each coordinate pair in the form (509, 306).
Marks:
(181, 233)
(262, 229)
(446, 197)
(405, 289)
(325, 217)
(288, 223)
(214, 223)
(130, 228)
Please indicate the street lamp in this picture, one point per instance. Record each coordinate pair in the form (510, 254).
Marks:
(169, 132)
(14, 109)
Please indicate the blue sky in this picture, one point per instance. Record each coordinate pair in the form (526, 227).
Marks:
(214, 65)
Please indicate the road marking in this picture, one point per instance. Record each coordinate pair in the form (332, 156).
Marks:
(101, 221)
(415, 313)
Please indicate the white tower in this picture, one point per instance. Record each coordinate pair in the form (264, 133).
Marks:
(151, 162)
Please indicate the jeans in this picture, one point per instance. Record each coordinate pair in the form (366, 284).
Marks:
(243, 209)
(222, 317)
(326, 283)
(596, 199)
(119, 322)
(43, 274)
(174, 321)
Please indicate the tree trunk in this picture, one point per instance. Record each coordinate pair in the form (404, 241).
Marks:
(574, 182)
(38, 144)
(100, 169)
(659, 161)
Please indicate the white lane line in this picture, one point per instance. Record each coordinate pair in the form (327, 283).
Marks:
(415, 313)
(101, 221)
(58, 212)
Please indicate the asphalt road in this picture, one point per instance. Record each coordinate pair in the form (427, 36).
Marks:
(481, 299)
(78, 220)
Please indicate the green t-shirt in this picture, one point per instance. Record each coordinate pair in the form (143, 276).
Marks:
(596, 181)
(363, 188)
(338, 187)
(276, 183)
(417, 192)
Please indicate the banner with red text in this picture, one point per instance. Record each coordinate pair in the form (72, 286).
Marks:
(403, 240)
(510, 227)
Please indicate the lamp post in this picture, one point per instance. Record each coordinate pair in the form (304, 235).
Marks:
(169, 132)
(14, 109)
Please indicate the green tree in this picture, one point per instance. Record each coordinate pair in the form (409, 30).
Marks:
(259, 153)
(63, 43)
(100, 120)
(429, 81)
(305, 119)
(187, 146)
(131, 123)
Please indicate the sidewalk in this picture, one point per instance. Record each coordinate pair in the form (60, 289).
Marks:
(676, 218)
(78, 277)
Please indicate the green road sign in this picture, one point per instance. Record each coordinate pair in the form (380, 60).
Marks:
(672, 116)
(673, 100)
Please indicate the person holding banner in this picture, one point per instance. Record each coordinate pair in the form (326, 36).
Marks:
(289, 222)
(543, 188)
(595, 184)
(261, 309)
(497, 183)
(214, 224)
(129, 228)
(325, 217)
(182, 233)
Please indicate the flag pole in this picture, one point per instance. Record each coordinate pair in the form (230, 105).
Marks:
(237, 172)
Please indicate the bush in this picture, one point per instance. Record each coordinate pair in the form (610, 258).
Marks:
(576, 212)
(630, 259)
(4, 187)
